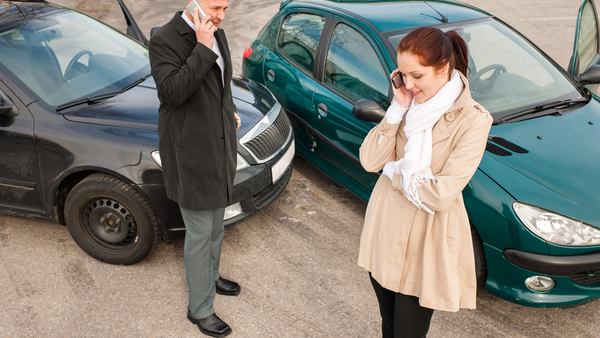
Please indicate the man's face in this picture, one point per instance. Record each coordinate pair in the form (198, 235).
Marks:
(215, 8)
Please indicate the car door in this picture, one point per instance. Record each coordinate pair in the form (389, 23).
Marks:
(586, 48)
(289, 70)
(352, 70)
(19, 171)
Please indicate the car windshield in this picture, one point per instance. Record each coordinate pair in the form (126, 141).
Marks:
(507, 74)
(69, 56)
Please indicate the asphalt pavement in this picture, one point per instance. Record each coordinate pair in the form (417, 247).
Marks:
(295, 260)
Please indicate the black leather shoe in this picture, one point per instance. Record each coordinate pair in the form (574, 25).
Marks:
(211, 326)
(227, 287)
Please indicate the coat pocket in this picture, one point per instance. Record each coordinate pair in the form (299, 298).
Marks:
(186, 129)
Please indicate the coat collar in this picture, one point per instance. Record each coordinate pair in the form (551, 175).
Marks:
(183, 28)
(440, 130)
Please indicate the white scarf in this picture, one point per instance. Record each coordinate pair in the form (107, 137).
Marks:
(415, 166)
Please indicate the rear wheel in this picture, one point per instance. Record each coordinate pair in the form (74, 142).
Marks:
(480, 263)
(110, 220)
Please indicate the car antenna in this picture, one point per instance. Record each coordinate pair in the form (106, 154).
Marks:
(444, 18)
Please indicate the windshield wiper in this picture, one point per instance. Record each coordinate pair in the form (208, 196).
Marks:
(88, 100)
(93, 99)
(548, 109)
(133, 84)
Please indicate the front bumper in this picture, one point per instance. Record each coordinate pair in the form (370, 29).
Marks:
(577, 277)
(253, 189)
(581, 269)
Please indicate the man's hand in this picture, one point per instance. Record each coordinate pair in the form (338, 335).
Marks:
(238, 120)
(205, 30)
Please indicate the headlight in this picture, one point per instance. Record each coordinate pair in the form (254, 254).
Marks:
(556, 228)
(156, 157)
(241, 163)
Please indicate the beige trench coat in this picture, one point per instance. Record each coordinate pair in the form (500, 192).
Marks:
(406, 249)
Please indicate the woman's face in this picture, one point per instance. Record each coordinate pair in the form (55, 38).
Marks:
(423, 82)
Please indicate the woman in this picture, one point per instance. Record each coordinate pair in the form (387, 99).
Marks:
(416, 242)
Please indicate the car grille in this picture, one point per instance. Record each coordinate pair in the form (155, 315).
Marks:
(270, 193)
(586, 278)
(268, 143)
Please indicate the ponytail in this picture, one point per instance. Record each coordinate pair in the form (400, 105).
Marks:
(460, 51)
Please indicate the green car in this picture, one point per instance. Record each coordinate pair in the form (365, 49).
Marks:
(534, 202)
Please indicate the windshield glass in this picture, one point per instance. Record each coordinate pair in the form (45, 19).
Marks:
(507, 74)
(69, 56)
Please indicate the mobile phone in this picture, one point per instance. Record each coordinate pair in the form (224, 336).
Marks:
(190, 8)
(397, 80)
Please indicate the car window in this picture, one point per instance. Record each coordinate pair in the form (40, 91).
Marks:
(353, 67)
(588, 38)
(69, 56)
(299, 36)
(507, 73)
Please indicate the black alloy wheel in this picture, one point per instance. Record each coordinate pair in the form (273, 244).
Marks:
(110, 220)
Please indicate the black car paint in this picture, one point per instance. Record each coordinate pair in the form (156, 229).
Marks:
(52, 151)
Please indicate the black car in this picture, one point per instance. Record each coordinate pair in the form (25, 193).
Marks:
(79, 140)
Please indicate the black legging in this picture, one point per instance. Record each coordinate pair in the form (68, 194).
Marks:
(402, 316)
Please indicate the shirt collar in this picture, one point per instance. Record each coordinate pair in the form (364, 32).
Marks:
(187, 20)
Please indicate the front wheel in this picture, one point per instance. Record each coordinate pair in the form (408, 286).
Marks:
(110, 220)
(480, 263)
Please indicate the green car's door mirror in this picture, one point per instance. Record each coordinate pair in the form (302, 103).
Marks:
(7, 108)
(591, 76)
(368, 110)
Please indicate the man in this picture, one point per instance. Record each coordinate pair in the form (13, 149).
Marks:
(191, 65)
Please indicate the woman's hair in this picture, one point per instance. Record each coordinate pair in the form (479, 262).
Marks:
(435, 48)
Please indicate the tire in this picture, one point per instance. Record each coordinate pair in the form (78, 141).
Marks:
(110, 220)
(480, 262)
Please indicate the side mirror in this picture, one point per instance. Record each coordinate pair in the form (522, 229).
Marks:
(591, 76)
(368, 110)
(7, 108)
(153, 30)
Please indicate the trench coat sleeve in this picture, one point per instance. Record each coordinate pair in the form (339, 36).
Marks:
(439, 194)
(378, 145)
(176, 80)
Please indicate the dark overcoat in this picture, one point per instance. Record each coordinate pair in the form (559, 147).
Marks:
(196, 124)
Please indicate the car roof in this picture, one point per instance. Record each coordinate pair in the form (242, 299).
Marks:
(25, 10)
(392, 15)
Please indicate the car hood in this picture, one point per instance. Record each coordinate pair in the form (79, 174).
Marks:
(560, 170)
(138, 107)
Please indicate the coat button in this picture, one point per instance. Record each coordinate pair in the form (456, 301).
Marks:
(450, 117)
(223, 137)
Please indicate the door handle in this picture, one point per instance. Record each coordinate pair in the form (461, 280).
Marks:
(271, 75)
(322, 110)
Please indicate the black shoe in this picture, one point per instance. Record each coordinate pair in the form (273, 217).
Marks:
(211, 326)
(227, 287)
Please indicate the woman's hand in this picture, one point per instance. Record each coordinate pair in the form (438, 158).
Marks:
(402, 96)
(392, 157)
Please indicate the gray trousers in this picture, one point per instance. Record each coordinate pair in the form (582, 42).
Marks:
(201, 256)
